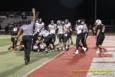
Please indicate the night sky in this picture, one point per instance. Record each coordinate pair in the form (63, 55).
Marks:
(72, 9)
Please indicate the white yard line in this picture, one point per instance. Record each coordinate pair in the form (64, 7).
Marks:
(104, 63)
(5, 36)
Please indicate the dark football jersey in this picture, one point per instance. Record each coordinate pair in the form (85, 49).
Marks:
(101, 28)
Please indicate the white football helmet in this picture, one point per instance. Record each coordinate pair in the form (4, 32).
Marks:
(98, 22)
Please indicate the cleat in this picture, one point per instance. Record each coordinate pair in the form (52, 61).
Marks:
(67, 49)
(84, 49)
(77, 52)
(26, 62)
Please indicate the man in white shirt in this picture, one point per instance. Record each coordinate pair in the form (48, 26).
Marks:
(67, 34)
(39, 25)
(79, 31)
(60, 32)
(85, 35)
(68, 28)
(52, 29)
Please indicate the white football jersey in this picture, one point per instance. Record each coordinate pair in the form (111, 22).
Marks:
(44, 33)
(67, 25)
(85, 29)
(52, 28)
(79, 29)
(39, 26)
(60, 29)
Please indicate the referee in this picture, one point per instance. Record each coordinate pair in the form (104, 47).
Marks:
(26, 30)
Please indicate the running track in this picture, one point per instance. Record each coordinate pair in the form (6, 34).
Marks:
(68, 64)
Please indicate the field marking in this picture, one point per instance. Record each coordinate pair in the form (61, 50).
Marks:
(34, 69)
(104, 63)
(5, 36)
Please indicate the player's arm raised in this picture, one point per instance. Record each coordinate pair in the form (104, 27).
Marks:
(33, 14)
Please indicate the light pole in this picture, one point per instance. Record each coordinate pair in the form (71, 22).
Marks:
(95, 9)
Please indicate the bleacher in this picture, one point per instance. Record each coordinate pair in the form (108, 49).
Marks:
(6, 19)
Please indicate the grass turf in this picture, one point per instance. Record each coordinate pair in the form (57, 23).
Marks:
(12, 64)
(4, 42)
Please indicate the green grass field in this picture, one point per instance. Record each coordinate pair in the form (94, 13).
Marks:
(4, 40)
(12, 64)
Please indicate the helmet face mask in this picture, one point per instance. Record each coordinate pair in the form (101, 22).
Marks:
(52, 21)
(82, 22)
(58, 22)
(40, 20)
(66, 21)
(62, 22)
